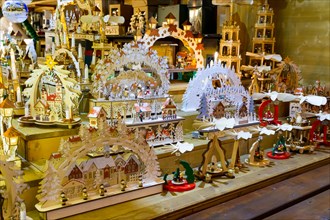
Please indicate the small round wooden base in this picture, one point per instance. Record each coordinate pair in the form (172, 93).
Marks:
(261, 163)
(179, 188)
(283, 156)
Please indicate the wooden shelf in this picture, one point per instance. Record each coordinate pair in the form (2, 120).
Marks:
(175, 205)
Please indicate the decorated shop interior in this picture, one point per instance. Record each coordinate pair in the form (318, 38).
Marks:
(114, 108)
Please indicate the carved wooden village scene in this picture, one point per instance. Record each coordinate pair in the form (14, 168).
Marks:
(132, 85)
(220, 96)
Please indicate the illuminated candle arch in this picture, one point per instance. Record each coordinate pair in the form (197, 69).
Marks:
(173, 31)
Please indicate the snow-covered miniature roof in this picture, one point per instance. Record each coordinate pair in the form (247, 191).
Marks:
(143, 107)
(95, 112)
(100, 163)
(169, 103)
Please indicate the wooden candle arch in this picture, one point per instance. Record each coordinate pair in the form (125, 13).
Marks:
(162, 32)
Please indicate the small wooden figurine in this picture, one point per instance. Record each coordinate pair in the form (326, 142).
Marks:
(182, 181)
(102, 190)
(279, 150)
(84, 193)
(63, 199)
(256, 156)
(123, 185)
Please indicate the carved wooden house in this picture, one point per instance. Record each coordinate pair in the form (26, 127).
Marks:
(219, 111)
(169, 109)
(96, 115)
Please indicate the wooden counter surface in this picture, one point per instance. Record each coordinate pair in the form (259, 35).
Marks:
(175, 205)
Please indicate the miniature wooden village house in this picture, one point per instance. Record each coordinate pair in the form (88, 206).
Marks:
(142, 111)
(91, 172)
(96, 114)
(219, 111)
(49, 106)
(169, 109)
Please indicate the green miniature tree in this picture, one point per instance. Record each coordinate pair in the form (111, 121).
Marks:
(189, 171)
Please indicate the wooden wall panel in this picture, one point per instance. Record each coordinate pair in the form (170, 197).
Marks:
(302, 33)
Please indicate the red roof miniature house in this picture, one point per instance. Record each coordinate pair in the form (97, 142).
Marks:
(169, 109)
(95, 114)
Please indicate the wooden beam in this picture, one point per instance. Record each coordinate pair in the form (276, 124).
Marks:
(43, 2)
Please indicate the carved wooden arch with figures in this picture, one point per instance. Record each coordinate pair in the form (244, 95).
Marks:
(131, 53)
(188, 41)
(94, 140)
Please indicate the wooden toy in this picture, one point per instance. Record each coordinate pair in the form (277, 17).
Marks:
(181, 181)
(210, 164)
(109, 155)
(268, 113)
(235, 162)
(257, 152)
(288, 76)
(51, 93)
(263, 39)
(319, 131)
(299, 140)
(262, 79)
(279, 150)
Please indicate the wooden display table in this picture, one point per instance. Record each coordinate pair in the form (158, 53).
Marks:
(176, 205)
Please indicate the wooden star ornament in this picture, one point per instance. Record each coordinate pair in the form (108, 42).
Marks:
(50, 62)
